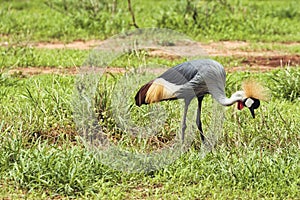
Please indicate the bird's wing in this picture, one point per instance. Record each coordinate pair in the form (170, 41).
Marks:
(180, 74)
(165, 86)
(185, 80)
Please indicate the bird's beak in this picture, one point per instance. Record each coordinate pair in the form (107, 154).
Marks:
(252, 112)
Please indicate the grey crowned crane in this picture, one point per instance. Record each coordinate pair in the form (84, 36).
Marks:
(195, 79)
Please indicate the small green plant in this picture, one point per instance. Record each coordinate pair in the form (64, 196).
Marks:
(25, 56)
(285, 83)
(102, 100)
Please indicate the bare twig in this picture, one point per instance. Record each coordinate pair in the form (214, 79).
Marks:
(132, 14)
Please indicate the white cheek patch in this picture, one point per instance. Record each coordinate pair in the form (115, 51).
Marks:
(249, 102)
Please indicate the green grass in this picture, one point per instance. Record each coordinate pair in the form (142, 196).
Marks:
(40, 155)
(291, 49)
(41, 158)
(288, 87)
(40, 20)
(13, 57)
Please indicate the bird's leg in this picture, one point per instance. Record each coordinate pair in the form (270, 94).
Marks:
(186, 105)
(198, 119)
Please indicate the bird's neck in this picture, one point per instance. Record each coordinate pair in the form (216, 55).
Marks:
(235, 97)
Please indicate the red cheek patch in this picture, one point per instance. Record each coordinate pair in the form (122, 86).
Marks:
(240, 105)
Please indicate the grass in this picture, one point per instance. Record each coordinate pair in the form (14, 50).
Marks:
(241, 173)
(202, 20)
(41, 157)
(18, 56)
(13, 57)
(292, 48)
(288, 88)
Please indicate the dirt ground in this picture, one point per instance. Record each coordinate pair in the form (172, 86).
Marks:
(250, 60)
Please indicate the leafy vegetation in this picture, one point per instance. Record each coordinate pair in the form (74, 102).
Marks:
(18, 56)
(202, 20)
(24, 56)
(234, 20)
(287, 87)
(40, 154)
(292, 48)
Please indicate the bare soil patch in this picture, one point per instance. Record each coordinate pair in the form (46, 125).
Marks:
(82, 45)
(20, 71)
(222, 48)
(31, 71)
(239, 48)
(263, 63)
(251, 60)
(273, 61)
(249, 63)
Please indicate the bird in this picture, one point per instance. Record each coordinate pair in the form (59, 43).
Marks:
(195, 79)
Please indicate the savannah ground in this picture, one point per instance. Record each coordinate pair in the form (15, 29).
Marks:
(44, 44)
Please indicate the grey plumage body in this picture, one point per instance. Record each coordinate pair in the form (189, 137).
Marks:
(188, 80)
(197, 78)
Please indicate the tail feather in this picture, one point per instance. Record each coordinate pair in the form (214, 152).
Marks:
(140, 97)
